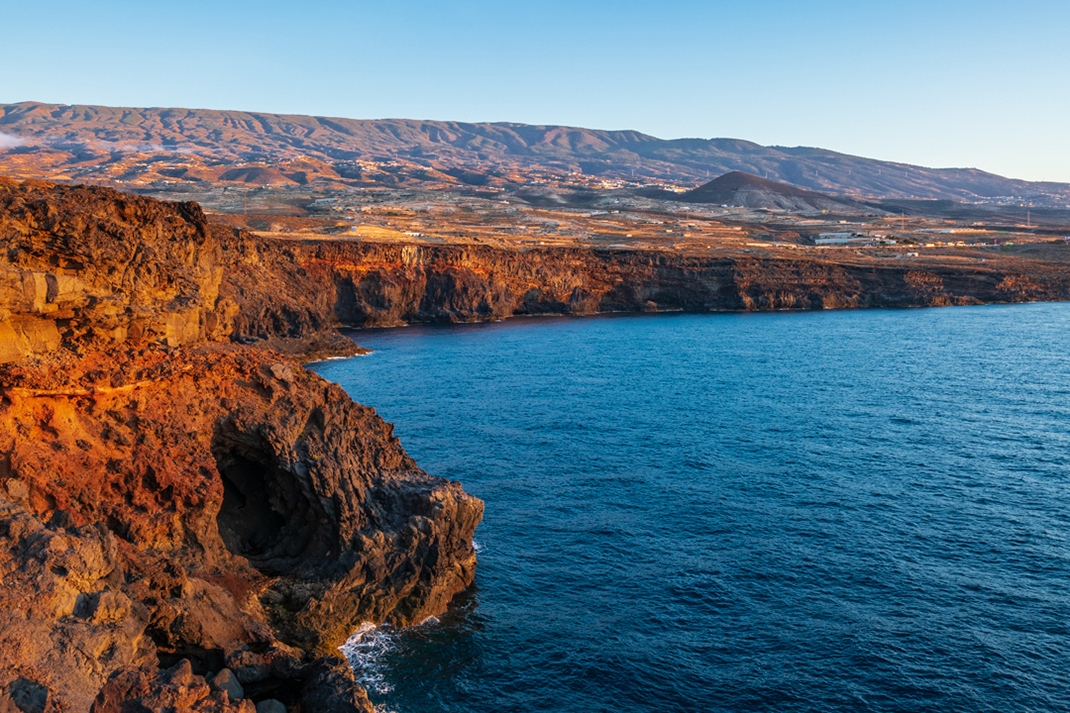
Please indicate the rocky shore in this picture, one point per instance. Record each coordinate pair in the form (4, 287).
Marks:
(187, 522)
(298, 287)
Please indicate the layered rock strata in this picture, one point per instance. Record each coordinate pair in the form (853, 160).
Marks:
(187, 523)
(191, 521)
(83, 266)
(91, 266)
(294, 287)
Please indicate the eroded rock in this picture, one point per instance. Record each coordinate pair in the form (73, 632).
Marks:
(300, 287)
(208, 510)
(173, 510)
(174, 689)
(90, 266)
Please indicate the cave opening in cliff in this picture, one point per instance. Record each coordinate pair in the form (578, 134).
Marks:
(265, 516)
(248, 522)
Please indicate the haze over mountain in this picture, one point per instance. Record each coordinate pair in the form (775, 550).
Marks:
(196, 146)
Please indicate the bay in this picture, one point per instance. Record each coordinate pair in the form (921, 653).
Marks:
(834, 511)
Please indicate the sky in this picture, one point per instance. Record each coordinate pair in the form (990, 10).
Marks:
(967, 84)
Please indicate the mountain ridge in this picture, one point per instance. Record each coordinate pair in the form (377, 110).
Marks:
(79, 139)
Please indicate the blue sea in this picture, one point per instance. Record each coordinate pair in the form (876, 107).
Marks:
(829, 511)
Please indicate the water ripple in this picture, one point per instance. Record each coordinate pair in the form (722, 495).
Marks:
(844, 511)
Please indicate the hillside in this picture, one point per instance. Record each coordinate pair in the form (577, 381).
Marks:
(158, 146)
(747, 191)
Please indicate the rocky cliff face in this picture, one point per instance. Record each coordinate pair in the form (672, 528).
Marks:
(188, 522)
(295, 287)
(86, 267)
(187, 525)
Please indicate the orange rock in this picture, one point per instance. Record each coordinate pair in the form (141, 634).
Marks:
(172, 507)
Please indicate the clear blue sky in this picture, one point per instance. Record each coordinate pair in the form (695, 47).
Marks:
(980, 83)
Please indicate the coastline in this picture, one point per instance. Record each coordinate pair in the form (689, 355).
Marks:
(223, 509)
(301, 287)
(188, 503)
(553, 423)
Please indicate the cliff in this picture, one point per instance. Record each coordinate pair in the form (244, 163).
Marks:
(186, 523)
(90, 267)
(191, 521)
(295, 287)
(86, 267)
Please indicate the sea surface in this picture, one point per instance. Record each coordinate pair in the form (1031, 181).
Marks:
(834, 511)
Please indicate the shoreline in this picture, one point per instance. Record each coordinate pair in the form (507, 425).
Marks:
(181, 496)
(348, 331)
(302, 287)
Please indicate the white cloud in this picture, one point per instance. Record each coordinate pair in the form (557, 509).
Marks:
(7, 141)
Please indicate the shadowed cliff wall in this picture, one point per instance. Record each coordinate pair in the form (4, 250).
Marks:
(293, 287)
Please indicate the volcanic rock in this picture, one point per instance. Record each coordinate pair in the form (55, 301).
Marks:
(89, 267)
(302, 287)
(176, 508)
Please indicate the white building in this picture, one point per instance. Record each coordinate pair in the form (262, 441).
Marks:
(837, 238)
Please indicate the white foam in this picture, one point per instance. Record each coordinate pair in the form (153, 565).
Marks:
(477, 546)
(339, 358)
(365, 651)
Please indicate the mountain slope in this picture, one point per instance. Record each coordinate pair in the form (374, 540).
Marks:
(745, 190)
(127, 144)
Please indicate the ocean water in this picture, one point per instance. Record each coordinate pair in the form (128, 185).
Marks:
(835, 511)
